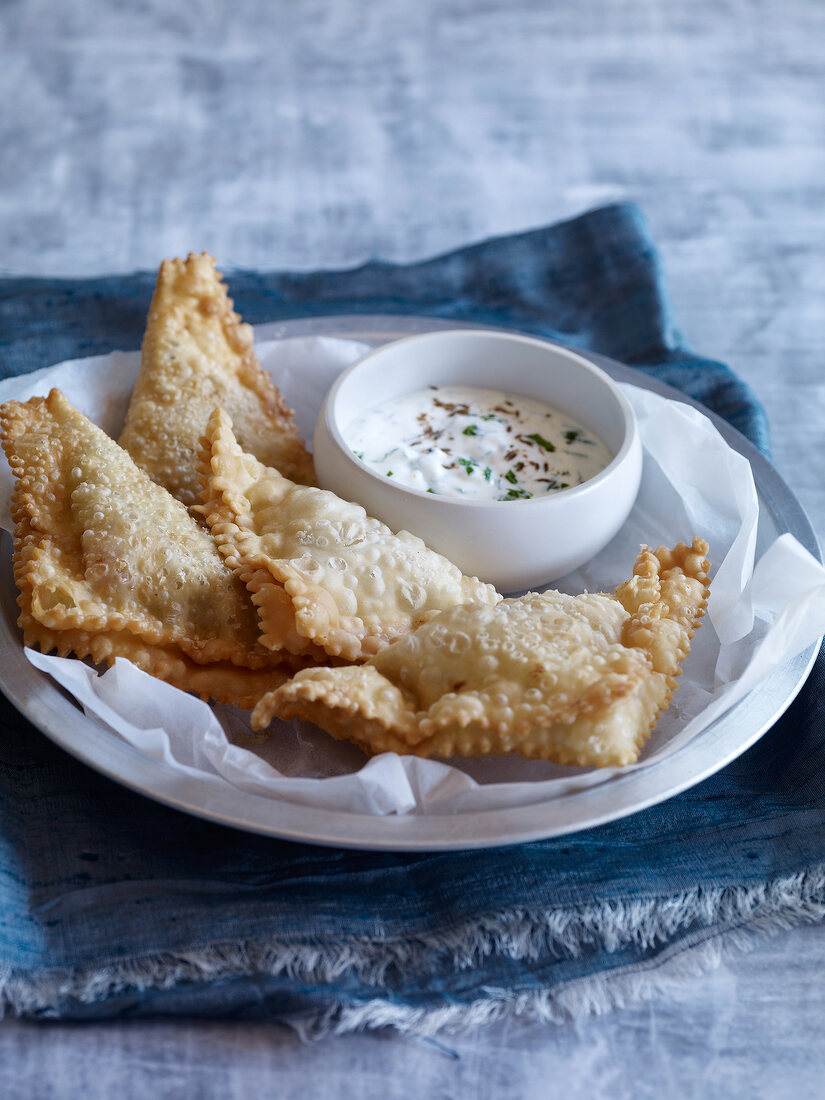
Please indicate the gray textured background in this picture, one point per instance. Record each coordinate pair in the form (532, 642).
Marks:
(308, 134)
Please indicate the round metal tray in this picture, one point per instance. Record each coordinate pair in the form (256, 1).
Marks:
(50, 709)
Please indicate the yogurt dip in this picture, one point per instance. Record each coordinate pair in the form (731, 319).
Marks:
(477, 444)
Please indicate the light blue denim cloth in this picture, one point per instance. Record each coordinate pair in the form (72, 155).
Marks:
(111, 905)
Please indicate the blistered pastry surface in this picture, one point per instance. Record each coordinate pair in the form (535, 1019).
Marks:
(198, 354)
(574, 679)
(108, 563)
(322, 571)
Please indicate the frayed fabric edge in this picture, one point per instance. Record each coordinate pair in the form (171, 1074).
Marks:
(692, 930)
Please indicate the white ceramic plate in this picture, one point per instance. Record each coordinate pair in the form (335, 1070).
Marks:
(50, 709)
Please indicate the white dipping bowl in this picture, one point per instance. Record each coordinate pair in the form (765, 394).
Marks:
(514, 544)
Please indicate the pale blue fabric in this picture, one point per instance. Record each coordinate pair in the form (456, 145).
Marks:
(95, 880)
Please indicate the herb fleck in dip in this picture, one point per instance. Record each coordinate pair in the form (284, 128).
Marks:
(463, 441)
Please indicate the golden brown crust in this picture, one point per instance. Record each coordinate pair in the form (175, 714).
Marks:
(108, 563)
(220, 681)
(575, 680)
(325, 577)
(197, 353)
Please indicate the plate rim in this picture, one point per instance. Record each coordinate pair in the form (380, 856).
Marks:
(59, 718)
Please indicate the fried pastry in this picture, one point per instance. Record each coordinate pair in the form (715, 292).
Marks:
(572, 679)
(325, 577)
(198, 354)
(109, 564)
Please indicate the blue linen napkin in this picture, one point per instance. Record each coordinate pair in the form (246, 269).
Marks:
(111, 905)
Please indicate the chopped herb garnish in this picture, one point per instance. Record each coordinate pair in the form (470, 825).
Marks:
(528, 463)
(542, 442)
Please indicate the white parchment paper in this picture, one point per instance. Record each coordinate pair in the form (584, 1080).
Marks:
(693, 483)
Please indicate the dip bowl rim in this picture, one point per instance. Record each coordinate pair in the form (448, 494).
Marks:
(328, 420)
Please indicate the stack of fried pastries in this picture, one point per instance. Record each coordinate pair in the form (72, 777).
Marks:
(109, 564)
(276, 593)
